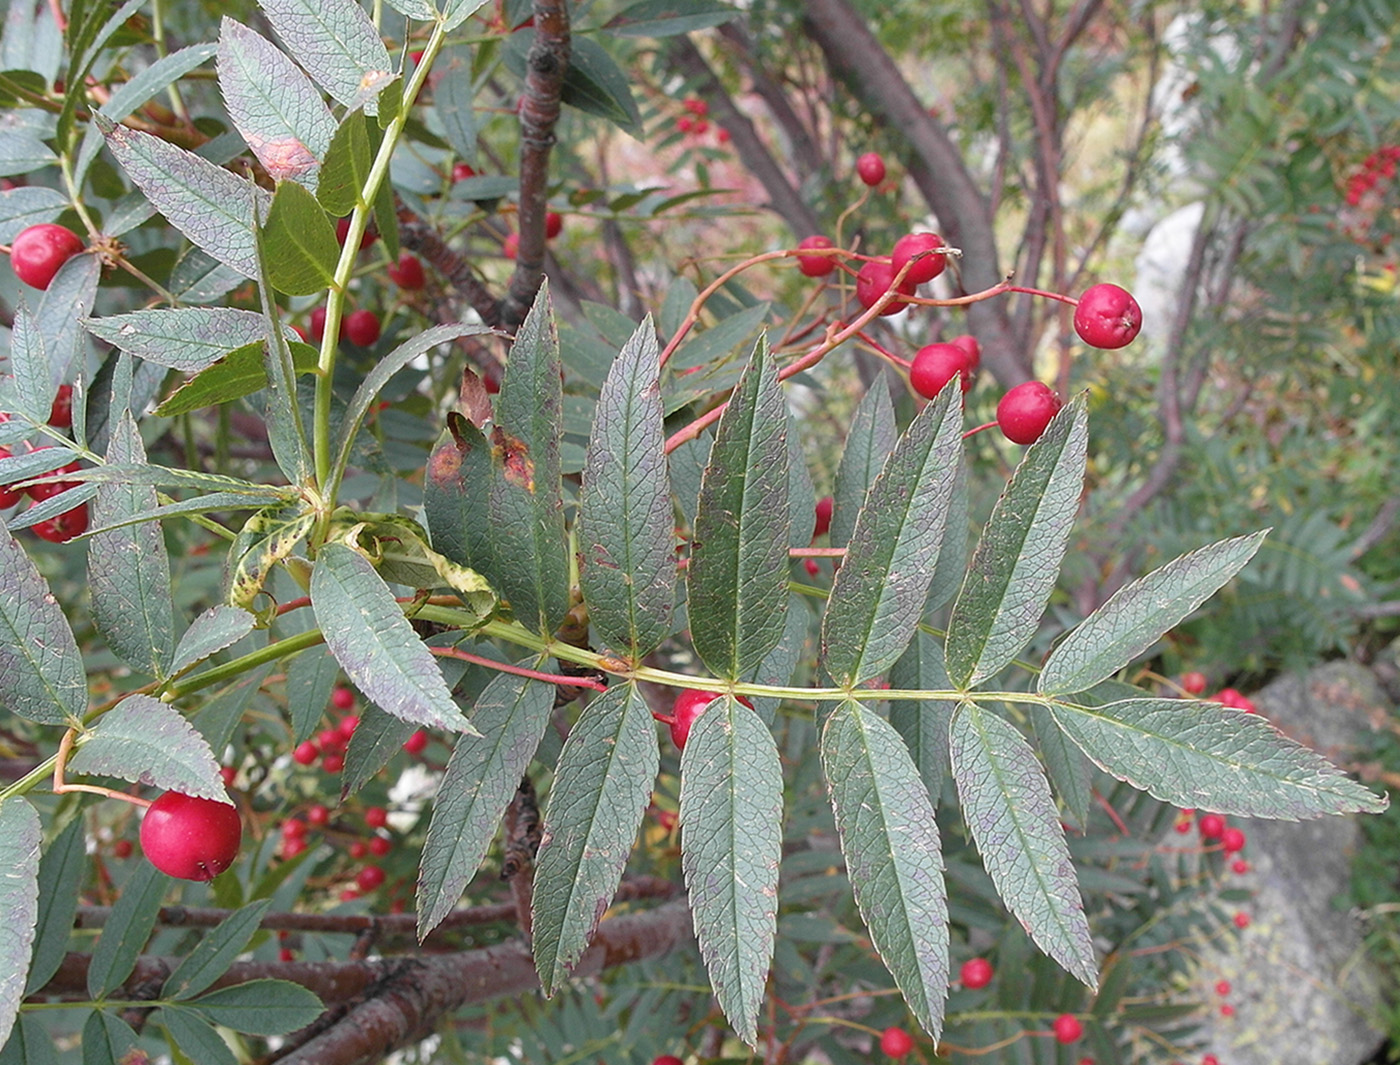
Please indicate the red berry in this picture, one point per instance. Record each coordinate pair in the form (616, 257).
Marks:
(380, 846)
(330, 739)
(342, 230)
(1223, 987)
(1241, 920)
(39, 251)
(1067, 1028)
(376, 817)
(362, 328)
(358, 849)
(816, 265)
(1210, 1059)
(874, 280)
(667, 1059)
(305, 753)
(1235, 700)
(189, 837)
(294, 828)
(553, 225)
(317, 323)
(369, 878)
(896, 1042)
(61, 413)
(1026, 410)
(342, 698)
(1212, 826)
(969, 344)
(347, 727)
(1193, 683)
(1107, 317)
(722, 135)
(1227, 1010)
(349, 894)
(688, 706)
(121, 848)
(228, 774)
(871, 168)
(701, 127)
(318, 815)
(812, 567)
(1239, 866)
(685, 124)
(1233, 840)
(823, 513)
(333, 763)
(65, 527)
(912, 244)
(935, 365)
(510, 247)
(1183, 825)
(976, 972)
(696, 106)
(407, 273)
(286, 954)
(416, 743)
(462, 171)
(40, 492)
(8, 496)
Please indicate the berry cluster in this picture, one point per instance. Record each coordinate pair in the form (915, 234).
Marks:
(1376, 170)
(72, 522)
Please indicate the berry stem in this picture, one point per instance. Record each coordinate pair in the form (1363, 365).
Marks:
(520, 671)
(816, 552)
(693, 315)
(60, 787)
(880, 350)
(1041, 292)
(979, 428)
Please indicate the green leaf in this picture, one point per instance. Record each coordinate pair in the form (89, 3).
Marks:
(41, 671)
(1195, 754)
(149, 742)
(421, 10)
(208, 204)
(721, 340)
(377, 738)
(62, 871)
(273, 105)
(169, 477)
(195, 1038)
(155, 79)
(299, 243)
(456, 495)
(30, 1044)
(732, 841)
(1017, 561)
(527, 505)
(952, 553)
(738, 570)
(213, 955)
(593, 82)
(454, 93)
(1137, 616)
(266, 538)
(311, 677)
(668, 18)
(481, 779)
(923, 723)
(872, 437)
(1008, 806)
(456, 12)
(19, 903)
(107, 1040)
(67, 301)
(239, 373)
(189, 339)
(375, 644)
(335, 42)
(217, 628)
(385, 369)
(894, 861)
(31, 364)
(24, 207)
(22, 152)
(347, 166)
(1066, 765)
(217, 719)
(124, 935)
(878, 595)
(601, 788)
(261, 1007)
(128, 569)
(627, 563)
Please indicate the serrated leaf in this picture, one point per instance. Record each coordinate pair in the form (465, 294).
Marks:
(1017, 561)
(738, 569)
(872, 437)
(335, 42)
(214, 953)
(601, 787)
(260, 1007)
(481, 779)
(894, 860)
(1068, 769)
(527, 506)
(217, 628)
(456, 495)
(31, 367)
(1202, 755)
(24, 207)
(149, 742)
(132, 920)
(19, 903)
(375, 644)
(377, 738)
(189, 339)
(923, 723)
(61, 874)
(273, 105)
(41, 670)
(1137, 615)
(347, 166)
(421, 10)
(627, 562)
(298, 243)
(239, 373)
(456, 12)
(879, 592)
(668, 18)
(212, 207)
(1007, 803)
(128, 569)
(952, 553)
(195, 1038)
(385, 369)
(731, 813)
